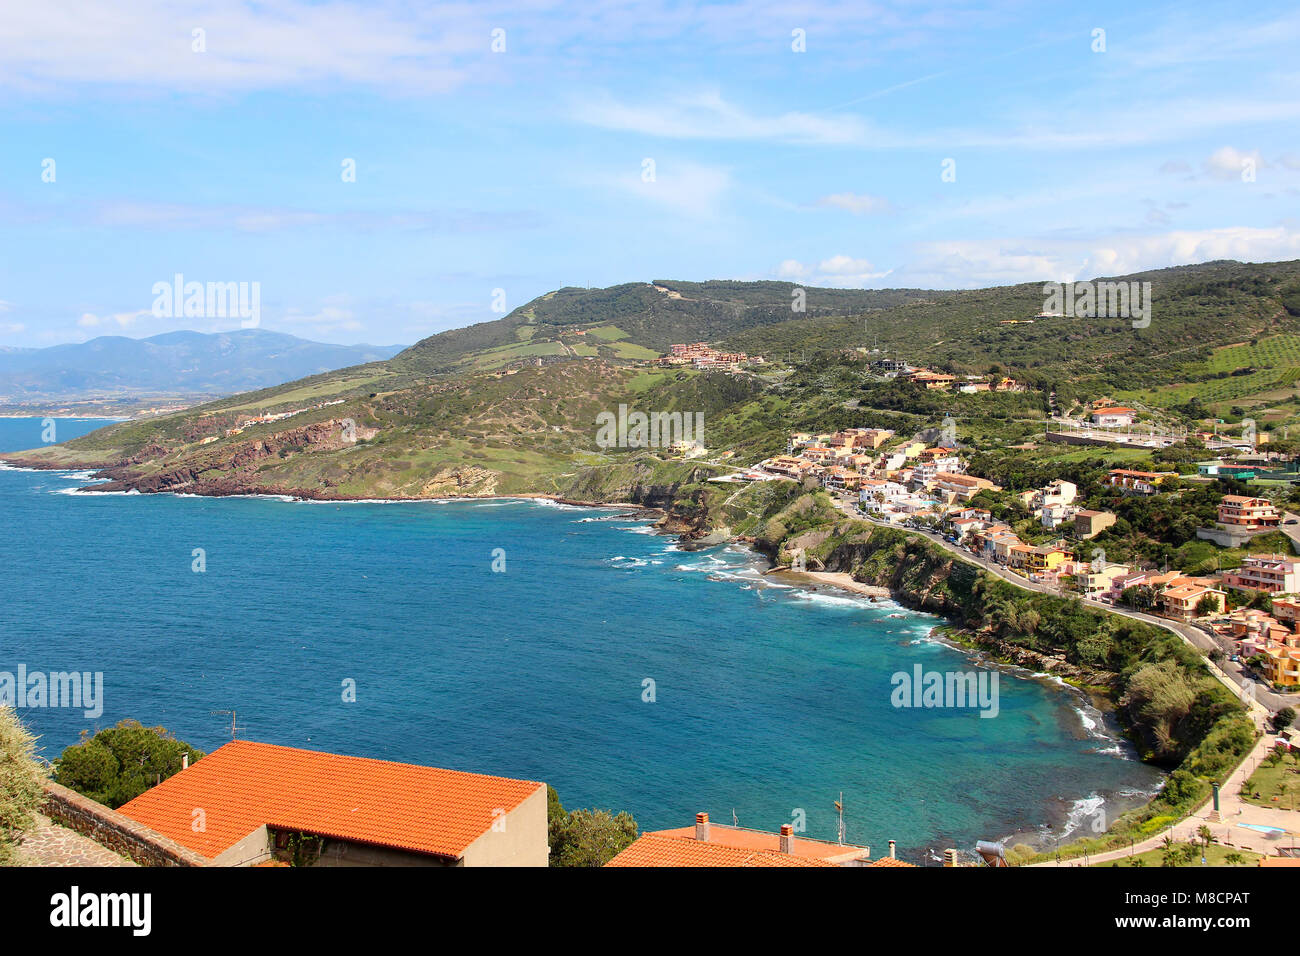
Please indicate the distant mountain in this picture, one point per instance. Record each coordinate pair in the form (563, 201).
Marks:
(174, 363)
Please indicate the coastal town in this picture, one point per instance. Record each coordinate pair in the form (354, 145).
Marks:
(1251, 610)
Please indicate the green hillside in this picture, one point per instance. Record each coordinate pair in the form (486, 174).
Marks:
(651, 316)
(510, 406)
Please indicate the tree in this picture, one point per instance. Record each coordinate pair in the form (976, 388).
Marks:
(1206, 836)
(122, 762)
(1138, 596)
(20, 782)
(1161, 695)
(1262, 601)
(1284, 718)
(586, 837)
(1207, 605)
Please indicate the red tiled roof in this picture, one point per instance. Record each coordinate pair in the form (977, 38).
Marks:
(657, 849)
(891, 861)
(243, 785)
(741, 838)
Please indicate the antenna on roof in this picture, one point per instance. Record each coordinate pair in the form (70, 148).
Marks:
(839, 809)
(234, 728)
(735, 820)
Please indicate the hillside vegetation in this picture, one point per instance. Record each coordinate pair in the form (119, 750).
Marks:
(510, 406)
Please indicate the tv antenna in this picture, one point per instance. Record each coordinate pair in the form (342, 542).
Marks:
(234, 727)
(839, 810)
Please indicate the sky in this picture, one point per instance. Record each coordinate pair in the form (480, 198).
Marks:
(502, 151)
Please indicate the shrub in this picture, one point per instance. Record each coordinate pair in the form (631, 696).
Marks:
(20, 782)
(122, 762)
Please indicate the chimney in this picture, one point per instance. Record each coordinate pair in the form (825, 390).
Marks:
(702, 827)
(892, 847)
(185, 761)
(787, 838)
(949, 857)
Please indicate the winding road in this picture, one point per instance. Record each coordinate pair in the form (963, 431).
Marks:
(1263, 702)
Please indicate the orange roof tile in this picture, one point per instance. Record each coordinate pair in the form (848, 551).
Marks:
(891, 861)
(742, 838)
(244, 785)
(658, 850)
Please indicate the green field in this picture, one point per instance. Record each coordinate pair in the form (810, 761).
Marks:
(1275, 361)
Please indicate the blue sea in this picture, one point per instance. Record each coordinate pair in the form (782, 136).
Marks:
(769, 701)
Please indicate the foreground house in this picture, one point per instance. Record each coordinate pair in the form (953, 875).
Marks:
(1183, 600)
(248, 803)
(711, 844)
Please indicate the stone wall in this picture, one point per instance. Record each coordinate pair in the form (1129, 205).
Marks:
(115, 831)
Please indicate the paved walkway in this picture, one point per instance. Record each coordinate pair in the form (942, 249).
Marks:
(1227, 830)
(50, 844)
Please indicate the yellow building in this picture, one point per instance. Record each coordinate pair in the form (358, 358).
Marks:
(1046, 557)
(1283, 665)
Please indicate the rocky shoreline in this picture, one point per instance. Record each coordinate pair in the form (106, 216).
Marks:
(694, 531)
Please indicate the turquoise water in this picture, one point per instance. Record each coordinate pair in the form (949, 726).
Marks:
(768, 699)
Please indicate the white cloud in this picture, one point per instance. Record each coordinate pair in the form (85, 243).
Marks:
(399, 46)
(149, 44)
(1229, 163)
(271, 219)
(837, 271)
(707, 115)
(982, 262)
(329, 319)
(860, 204)
(123, 320)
